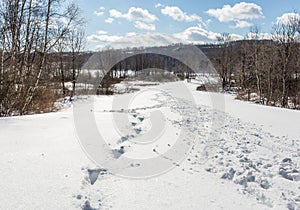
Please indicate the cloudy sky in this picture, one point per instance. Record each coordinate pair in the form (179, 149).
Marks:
(130, 23)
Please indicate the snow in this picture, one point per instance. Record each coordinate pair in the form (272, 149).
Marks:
(241, 155)
(79, 86)
(281, 122)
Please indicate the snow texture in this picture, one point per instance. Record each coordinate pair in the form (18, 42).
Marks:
(251, 160)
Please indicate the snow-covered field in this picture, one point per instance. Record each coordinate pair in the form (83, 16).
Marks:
(240, 155)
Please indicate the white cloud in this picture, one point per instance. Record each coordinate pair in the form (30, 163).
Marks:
(109, 20)
(141, 18)
(159, 5)
(116, 14)
(177, 14)
(209, 21)
(197, 34)
(55, 23)
(131, 34)
(101, 32)
(144, 26)
(240, 11)
(102, 38)
(98, 13)
(288, 18)
(134, 14)
(131, 40)
(145, 40)
(242, 24)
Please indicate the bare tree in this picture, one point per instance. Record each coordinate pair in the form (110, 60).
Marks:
(225, 60)
(76, 42)
(29, 30)
(285, 34)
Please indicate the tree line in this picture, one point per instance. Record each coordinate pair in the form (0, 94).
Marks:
(34, 36)
(270, 68)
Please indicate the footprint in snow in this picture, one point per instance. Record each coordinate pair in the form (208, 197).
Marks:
(118, 152)
(87, 206)
(124, 138)
(135, 165)
(138, 130)
(94, 173)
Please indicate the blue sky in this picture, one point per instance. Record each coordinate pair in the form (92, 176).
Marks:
(129, 23)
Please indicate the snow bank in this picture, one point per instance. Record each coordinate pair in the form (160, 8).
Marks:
(248, 160)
